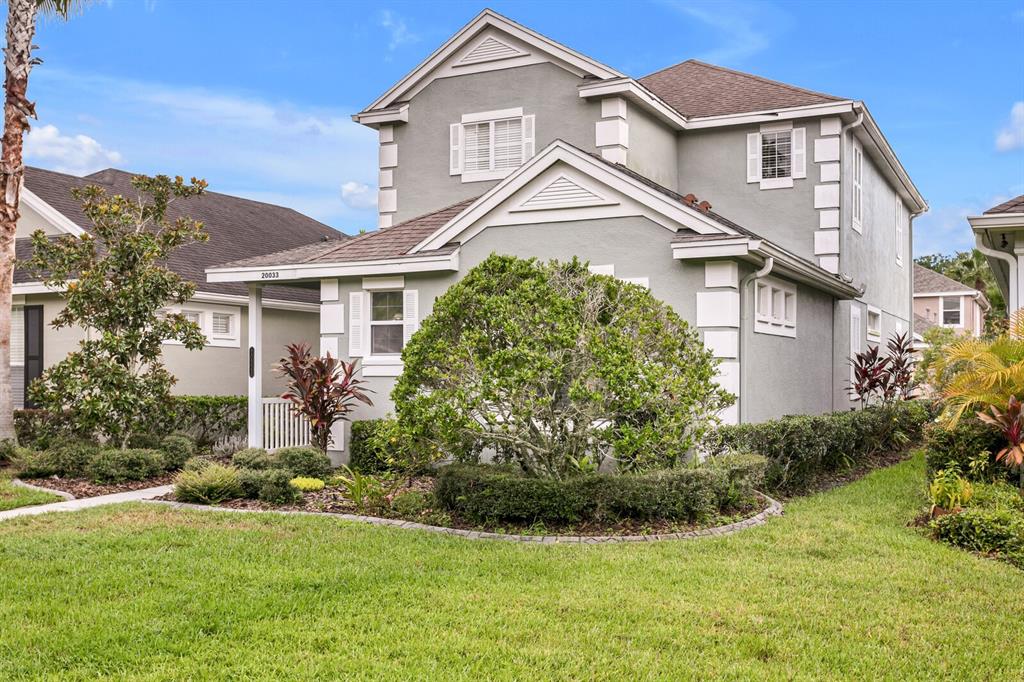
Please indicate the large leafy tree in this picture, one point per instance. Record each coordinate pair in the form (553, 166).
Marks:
(556, 369)
(117, 287)
(18, 61)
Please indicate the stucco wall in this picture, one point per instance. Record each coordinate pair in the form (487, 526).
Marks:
(211, 371)
(930, 308)
(713, 166)
(545, 90)
(652, 148)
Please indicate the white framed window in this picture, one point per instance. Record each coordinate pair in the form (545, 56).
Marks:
(776, 155)
(857, 177)
(901, 220)
(220, 324)
(381, 321)
(386, 323)
(491, 144)
(775, 307)
(874, 324)
(951, 311)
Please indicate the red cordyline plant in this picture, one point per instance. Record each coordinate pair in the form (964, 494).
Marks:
(1011, 423)
(322, 389)
(887, 378)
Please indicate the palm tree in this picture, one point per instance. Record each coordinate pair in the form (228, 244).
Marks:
(18, 61)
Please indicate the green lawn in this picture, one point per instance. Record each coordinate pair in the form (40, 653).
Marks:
(840, 587)
(12, 496)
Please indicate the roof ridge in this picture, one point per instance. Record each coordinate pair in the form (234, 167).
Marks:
(945, 277)
(745, 74)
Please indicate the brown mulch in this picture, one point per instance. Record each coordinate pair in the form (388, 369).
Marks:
(83, 487)
(827, 481)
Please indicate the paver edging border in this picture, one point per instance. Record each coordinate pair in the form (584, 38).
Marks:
(774, 508)
(59, 493)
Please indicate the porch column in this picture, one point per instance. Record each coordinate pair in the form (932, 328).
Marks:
(255, 366)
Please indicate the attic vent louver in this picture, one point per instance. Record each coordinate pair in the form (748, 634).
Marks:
(489, 50)
(562, 193)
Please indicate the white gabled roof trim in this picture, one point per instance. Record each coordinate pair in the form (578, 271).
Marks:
(55, 217)
(632, 90)
(981, 222)
(316, 271)
(596, 169)
(486, 18)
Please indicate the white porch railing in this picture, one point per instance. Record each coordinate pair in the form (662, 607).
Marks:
(282, 427)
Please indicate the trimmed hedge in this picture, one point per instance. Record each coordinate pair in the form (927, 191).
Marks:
(997, 530)
(960, 446)
(499, 494)
(801, 448)
(117, 466)
(306, 461)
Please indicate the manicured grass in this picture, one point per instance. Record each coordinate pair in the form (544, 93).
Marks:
(12, 496)
(840, 588)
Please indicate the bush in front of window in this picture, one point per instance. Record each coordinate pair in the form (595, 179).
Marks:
(556, 369)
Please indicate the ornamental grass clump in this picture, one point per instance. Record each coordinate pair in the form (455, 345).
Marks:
(557, 370)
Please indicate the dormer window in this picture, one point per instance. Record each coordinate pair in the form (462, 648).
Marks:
(491, 144)
(776, 155)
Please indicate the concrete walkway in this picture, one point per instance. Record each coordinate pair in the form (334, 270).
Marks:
(86, 502)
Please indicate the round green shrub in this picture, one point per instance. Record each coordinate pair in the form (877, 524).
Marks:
(117, 466)
(969, 442)
(7, 450)
(307, 485)
(196, 463)
(254, 458)
(177, 450)
(997, 496)
(29, 463)
(307, 462)
(213, 484)
(370, 450)
(72, 457)
(277, 488)
(410, 503)
(990, 531)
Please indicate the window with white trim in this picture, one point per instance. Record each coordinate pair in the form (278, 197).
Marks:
(776, 155)
(952, 311)
(489, 145)
(857, 173)
(219, 324)
(775, 307)
(874, 324)
(193, 316)
(901, 220)
(381, 320)
(386, 323)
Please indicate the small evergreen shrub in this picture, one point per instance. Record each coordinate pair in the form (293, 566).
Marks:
(277, 488)
(307, 485)
(308, 462)
(208, 419)
(7, 449)
(213, 484)
(30, 463)
(969, 447)
(144, 441)
(197, 464)
(254, 458)
(117, 466)
(367, 453)
(410, 503)
(998, 496)
(990, 531)
(72, 458)
(177, 450)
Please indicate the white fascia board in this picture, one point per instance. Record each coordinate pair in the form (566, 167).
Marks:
(637, 93)
(315, 271)
(35, 288)
(770, 115)
(735, 248)
(931, 294)
(800, 270)
(487, 17)
(243, 301)
(882, 147)
(375, 119)
(1007, 220)
(58, 219)
(559, 151)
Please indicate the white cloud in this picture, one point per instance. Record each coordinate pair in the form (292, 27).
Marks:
(397, 30)
(1011, 136)
(358, 195)
(75, 154)
(742, 29)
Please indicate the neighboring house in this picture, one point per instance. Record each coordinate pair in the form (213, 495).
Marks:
(774, 219)
(944, 302)
(999, 234)
(237, 228)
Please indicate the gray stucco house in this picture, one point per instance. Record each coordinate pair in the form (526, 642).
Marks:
(775, 219)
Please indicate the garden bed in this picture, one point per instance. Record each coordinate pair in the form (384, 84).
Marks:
(83, 487)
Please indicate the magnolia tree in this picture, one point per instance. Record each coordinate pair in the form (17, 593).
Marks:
(116, 288)
(556, 369)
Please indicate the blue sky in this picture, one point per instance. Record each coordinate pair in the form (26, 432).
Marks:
(256, 96)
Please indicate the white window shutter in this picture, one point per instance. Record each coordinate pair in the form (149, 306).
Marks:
(455, 145)
(410, 314)
(356, 324)
(799, 152)
(754, 157)
(528, 136)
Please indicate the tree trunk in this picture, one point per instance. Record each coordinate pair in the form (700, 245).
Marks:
(21, 26)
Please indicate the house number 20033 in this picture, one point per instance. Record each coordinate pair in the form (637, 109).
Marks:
(269, 275)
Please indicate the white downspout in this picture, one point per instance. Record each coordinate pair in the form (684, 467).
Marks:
(769, 263)
(1011, 261)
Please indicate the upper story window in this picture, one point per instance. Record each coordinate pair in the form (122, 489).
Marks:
(952, 311)
(901, 220)
(776, 155)
(775, 306)
(874, 324)
(857, 173)
(491, 144)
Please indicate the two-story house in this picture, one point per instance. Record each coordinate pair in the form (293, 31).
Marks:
(774, 219)
(943, 302)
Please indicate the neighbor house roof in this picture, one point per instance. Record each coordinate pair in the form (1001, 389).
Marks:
(1015, 205)
(930, 282)
(922, 324)
(237, 227)
(694, 89)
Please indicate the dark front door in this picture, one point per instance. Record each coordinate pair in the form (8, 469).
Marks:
(33, 347)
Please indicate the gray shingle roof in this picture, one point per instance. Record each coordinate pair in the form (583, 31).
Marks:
(928, 281)
(694, 88)
(238, 227)
(1015, 205)
(922, 324)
